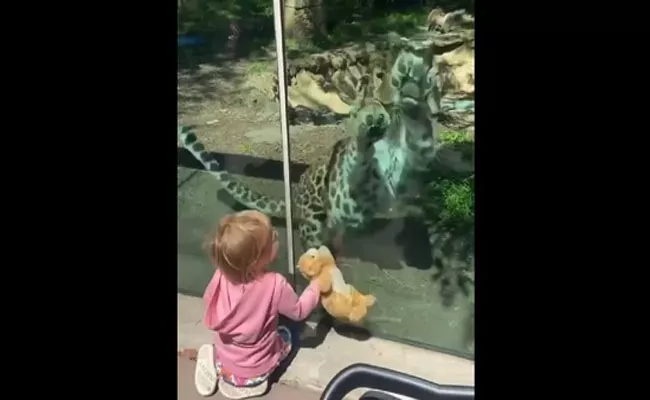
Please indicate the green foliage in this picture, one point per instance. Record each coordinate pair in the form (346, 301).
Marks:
(350, 22)
(453, 137)
(458, 199)
(216, 15)
(451, 200)
(347, 21)
(450, 194)
(460, 142)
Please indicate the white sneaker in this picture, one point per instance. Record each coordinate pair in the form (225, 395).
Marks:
(205, 374)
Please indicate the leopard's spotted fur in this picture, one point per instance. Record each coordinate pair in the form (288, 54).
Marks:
(381, 164)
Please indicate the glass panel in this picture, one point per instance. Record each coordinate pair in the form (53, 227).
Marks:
(226, 75)
(388, 134)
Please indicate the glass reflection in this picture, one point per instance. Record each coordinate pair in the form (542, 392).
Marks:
(229, 130)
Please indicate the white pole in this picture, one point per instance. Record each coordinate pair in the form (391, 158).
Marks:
(284, 126)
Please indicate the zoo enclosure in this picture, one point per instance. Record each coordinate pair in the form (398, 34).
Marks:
(407, 310)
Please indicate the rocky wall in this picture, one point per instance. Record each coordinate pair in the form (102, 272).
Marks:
(322, 86)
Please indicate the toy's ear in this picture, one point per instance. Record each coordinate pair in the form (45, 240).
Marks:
(309, 263)
(325, 255)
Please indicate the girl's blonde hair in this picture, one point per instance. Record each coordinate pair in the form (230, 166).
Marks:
(240, 241)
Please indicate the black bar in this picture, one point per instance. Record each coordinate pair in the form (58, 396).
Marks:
(372, 377)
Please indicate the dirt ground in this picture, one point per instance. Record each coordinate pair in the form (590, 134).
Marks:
(231, 107)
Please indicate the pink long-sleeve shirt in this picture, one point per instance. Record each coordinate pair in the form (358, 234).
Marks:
(245, 319)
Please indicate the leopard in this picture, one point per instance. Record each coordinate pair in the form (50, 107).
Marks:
(383, 161)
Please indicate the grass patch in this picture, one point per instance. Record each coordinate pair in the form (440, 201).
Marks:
(460, 142)
(450, 194)
(454, 137)
(450, 202)
(260, 67)
(458, 200)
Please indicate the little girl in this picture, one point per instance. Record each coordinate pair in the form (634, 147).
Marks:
(242, 301)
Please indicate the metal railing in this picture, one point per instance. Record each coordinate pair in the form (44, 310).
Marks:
(377, 378)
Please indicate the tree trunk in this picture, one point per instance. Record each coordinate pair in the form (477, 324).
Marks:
(303, 19)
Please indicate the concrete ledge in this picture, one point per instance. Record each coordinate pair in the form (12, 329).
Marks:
(314, 368)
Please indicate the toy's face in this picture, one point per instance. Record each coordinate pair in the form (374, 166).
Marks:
(312, 262)
(308, 264)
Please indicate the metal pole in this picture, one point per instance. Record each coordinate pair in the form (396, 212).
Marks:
(284, 126)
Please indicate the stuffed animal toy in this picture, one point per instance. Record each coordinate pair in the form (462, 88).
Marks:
(341, 300)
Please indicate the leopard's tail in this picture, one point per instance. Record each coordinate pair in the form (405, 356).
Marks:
(242, 193)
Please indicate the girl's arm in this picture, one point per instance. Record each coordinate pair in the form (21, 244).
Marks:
(298, 308)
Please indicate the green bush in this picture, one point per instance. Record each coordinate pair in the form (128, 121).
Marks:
(450, 194)
(211, 16)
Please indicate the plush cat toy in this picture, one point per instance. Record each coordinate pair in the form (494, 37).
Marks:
(341, 300)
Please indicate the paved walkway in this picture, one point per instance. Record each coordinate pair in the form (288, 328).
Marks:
(278, 391)
(322, 354)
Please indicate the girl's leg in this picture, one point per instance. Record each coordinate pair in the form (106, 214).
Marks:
(206, 375)
(237, 388)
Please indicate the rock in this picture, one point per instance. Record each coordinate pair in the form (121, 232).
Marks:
(327, 83)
